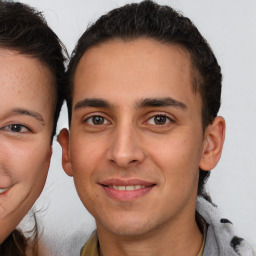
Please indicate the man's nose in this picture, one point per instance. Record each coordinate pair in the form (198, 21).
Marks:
(125, 149)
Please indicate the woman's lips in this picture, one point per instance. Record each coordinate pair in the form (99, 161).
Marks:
(6, 182)
(4, 190)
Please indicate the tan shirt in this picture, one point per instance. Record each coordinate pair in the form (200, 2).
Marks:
(91, 247)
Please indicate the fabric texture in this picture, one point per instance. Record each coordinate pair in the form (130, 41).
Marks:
(91, 247)
(220, 239)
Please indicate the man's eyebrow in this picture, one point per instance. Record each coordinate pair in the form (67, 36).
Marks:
(26, 112)
(161, 102)
(92, 102)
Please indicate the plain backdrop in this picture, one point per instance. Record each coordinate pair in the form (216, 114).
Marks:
(230, 28)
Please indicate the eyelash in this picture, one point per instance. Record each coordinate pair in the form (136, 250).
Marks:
(89, 120)
(19, 126)
(105, 121)
(166, 118)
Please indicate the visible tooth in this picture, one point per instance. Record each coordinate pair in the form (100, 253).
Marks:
(2, 190)
(129, 188)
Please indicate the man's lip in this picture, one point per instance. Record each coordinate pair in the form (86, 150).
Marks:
(126, 190)
(129, 182)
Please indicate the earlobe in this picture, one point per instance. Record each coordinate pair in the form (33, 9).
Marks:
(63, 139)
(213, 144)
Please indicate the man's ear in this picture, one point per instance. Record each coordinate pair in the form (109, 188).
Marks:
(63, 139)
(213, 143)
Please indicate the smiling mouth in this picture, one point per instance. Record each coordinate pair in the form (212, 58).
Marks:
(2, 190)
(127, 192)
(126, 188)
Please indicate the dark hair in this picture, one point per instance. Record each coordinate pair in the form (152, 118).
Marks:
(25, 30)
(161, 23)
(16, 243)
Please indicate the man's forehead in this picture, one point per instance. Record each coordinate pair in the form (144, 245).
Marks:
(125, 51)
(132, 65)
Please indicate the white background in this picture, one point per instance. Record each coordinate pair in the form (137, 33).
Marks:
(230, 28)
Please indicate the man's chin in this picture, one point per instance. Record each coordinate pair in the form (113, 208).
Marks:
(127, 229)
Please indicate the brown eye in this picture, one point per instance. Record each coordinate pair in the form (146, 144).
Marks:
(160, 120)
(97, 120)
(17, 128)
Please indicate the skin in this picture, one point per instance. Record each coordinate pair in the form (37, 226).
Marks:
(26, 119)
(145, 128)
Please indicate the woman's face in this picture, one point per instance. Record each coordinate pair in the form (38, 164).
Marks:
(27, 105)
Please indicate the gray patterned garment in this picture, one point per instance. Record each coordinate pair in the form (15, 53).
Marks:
(220, 237)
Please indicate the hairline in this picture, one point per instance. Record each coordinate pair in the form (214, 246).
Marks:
(196, 78)
(47, 67)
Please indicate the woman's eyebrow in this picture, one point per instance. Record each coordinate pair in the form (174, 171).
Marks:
(26, 112)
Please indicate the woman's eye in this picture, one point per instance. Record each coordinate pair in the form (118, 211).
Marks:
(97, 120)
(159, 120)
(15, 128)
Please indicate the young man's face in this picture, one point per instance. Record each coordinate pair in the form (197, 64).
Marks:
(26, 119)
(136, 138)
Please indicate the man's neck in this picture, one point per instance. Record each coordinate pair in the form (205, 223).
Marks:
(179, 239)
